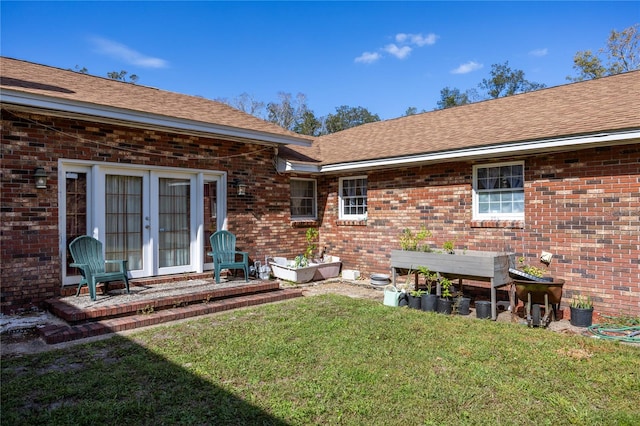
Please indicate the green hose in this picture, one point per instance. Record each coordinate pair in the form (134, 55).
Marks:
(621, 334)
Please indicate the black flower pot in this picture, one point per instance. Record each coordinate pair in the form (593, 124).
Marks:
(402, 300)
(483, 309)
(581, 317)
(429, 302)
(445, 306)
(415, 301)
(462, 305)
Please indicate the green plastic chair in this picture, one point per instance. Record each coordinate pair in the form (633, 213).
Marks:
(223, 246)
(89, 258)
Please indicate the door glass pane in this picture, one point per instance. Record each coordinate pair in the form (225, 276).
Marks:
(76, 212)
(174, 222)
(210, 216)
(123, 233)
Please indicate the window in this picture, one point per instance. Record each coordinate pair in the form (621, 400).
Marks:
(353, 198)
(303, 199)
(499, 191)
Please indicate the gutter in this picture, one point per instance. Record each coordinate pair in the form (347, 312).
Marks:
(507, 149)
(75, 109)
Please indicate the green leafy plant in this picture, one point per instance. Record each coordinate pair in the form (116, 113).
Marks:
(301, 261)
(445, 287)
(448, 246)
(411, 241)
(417, 293)
(311, 237)
(530, 269)
(429, 277)
(582, 302)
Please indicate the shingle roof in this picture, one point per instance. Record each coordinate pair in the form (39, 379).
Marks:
(31, 78)
(590, 107)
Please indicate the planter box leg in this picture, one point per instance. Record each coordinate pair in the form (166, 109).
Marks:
(494, 300)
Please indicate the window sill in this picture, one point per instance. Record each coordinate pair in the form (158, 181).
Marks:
(303, 223)
(509, 224)
(351, 222)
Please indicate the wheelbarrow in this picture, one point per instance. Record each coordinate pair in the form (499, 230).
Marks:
(538, 295)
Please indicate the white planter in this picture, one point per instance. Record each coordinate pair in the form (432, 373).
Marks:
(328, 268)
(297, 275)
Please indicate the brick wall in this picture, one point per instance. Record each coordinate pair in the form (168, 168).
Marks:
(583, 206)
(29, 235)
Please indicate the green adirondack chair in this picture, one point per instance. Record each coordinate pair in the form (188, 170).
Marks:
(225, 256)
(89, 258)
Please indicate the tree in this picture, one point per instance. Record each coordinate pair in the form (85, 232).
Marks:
(308, 125)
(82, 70)
(506, 82)
(452, 97)
(347, 117)
(113, 75)
(246, 103)
(121, 76)
(622, 53)
(412, 111)
(287, 113)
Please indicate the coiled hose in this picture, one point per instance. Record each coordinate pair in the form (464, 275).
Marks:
(621, 334)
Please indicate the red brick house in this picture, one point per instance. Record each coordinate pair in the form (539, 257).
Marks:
(152, 173)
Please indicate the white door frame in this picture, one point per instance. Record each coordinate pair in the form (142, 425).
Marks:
(96, 207)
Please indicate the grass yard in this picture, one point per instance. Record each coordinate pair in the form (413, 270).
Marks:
(328, 360)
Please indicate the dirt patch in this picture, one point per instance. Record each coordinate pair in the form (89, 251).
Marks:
(356, 289)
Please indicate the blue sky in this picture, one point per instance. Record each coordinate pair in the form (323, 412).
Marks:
(383, 56)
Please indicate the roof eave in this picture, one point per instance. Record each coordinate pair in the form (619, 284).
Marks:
(493, 151)
(112, 114)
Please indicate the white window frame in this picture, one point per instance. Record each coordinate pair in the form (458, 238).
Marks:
(341, 203)
(477, 215)
(314, 213)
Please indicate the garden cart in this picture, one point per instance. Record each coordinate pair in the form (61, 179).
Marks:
(539, 295)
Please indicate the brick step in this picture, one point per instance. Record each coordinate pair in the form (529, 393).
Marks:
(73, 315)
(64, 333)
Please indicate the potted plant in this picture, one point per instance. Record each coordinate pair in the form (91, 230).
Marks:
(415, 298)
(300, 269)
(445, 304)
(462, 304)
(581, 311)
(429, 301)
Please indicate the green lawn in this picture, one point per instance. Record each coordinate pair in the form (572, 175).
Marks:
(329, 360)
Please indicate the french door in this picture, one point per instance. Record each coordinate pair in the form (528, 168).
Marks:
(158, 220)
(149, 219)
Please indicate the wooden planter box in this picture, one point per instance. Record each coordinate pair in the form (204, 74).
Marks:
(469, 264)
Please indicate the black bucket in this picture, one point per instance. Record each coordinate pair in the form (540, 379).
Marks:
(483, 309)
(581, 317)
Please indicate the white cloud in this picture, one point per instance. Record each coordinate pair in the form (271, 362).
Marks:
(398, 52)
(368, 58)
(467, 68)
(539, 52)
(401, 48)
(124, 53)
(416, 39)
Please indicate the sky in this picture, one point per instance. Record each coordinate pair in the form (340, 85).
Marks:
(382, 56)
